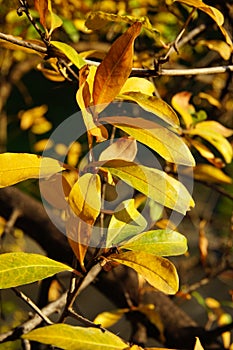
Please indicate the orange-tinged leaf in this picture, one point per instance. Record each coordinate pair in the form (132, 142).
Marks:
(55, 190)
(153, 105)
(157, 271)
(135, 84)
(166, 143)
(124, 148)
(42, 7)
(115, 68)
(16, 167)
(180, 102)
(79, 234)
(85, 197)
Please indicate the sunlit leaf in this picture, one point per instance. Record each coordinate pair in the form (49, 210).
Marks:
(154, 105)
(108, 318)
(135, 84)
(41, 126)
(212, 125)
(154, 183)
(213, 12)
(198, 345)
(70, 53)
(158, 242)
(220, 46)
(208, 131)
(180, 102)
(126, 222)
(76, 338)
(115, 68)
(16, 167)
(213, 101)
(202, 149)
(157, 271)
(209, 173)
(20, 268)
(42, 7)
(123, 148)
(85, 197)
(167, 144)
(32, 116)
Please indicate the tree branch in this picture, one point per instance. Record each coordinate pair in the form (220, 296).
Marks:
(138, 72)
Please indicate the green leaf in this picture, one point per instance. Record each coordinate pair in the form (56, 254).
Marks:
(125, 223)
(70, 53)
(16, 167)
(154, 105)
(154, 183)
(166, 143)
(69, 337)
(157, 271)
(21, 268)
(158, 242)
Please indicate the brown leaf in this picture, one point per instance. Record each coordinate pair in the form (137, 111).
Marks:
(42, 7)
(115, 68)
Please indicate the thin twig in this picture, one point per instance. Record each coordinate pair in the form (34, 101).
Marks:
(9, 227)
(32, 305)
(138, 72)
(83, 320)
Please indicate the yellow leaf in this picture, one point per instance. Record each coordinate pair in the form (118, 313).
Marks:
(138, 85)
(16, 167)
(109, 318)
(154, 183)
(115, 68)
(213, 101)
(210, 132)
(214, 13)
(157, 271)
(198, 345)
(31, 116)
(74, 153)
(85, 197)
(212, 125)
(52, 73)
(180, 102)
(167, 144)
(202, 149)
(41, 126)
(218, 45)
(209, 173)
(153, 105)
